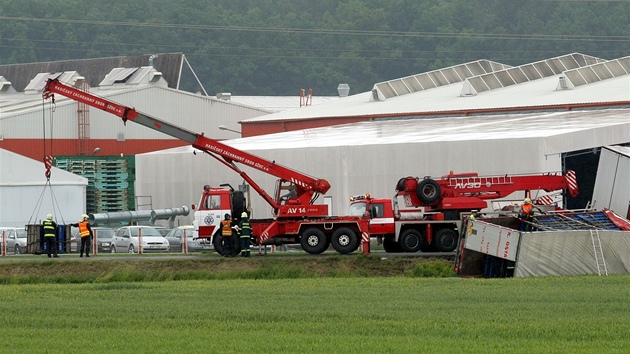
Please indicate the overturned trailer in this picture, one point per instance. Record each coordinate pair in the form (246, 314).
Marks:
(560, 243)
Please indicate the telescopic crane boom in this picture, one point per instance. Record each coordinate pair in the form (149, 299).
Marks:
(307, 188)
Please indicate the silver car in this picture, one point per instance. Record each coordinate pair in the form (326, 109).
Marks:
(126, 240)
(176, 236)
(15, 238)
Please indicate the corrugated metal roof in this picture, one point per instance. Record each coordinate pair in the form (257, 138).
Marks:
(21, 114)
(545, 91)
(95, 69)
(279, 103)
(604, 127)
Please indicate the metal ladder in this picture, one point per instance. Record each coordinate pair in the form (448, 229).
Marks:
(599, 255)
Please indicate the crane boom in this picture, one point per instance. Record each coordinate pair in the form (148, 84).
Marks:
(306, 187)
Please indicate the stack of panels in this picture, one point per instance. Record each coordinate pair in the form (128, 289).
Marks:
(109, 186)
(111, 183)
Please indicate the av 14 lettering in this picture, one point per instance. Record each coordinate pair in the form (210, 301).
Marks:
(296, 211)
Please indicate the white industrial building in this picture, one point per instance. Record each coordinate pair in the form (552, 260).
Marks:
(519, 128)
(483, 117)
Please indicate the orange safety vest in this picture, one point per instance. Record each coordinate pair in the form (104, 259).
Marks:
(83, 229)
(527, 209)
(226, 230)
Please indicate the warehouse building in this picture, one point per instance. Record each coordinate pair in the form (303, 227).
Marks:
(552, 115)
(482, 116)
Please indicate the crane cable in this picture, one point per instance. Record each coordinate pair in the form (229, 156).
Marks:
(48, 161)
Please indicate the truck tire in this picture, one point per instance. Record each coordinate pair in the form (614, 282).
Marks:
(400, 186)
(446, 240)
(314, 241)
(428, 191)
(344, 240)
(410, 240)
(391, 246)
(238, 204)
(217, 243)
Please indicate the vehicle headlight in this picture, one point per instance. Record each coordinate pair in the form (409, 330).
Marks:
(105, 244)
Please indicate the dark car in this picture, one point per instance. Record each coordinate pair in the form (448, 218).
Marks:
(103, 237)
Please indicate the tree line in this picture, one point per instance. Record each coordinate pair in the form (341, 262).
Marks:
(276, 47)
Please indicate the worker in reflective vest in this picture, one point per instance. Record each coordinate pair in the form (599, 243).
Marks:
(86, 235)
(245, 232)
(49, 232)
(526, 214)
(226, 233)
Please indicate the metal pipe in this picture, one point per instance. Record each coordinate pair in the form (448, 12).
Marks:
(141, 215)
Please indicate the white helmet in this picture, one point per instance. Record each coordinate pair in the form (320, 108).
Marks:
(84, 216)
(527, 201)
(49, 217)
(244, 214)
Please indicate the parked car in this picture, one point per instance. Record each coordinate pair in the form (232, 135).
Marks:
(126, 240)
(15, 238)
(104, 237)
(175, 239)
(162, 230)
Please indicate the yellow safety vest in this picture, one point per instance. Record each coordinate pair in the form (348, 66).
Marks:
(49, 228)
(246, 229)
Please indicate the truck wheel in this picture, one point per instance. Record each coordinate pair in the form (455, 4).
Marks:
(314, 241)
(428, 191)
(238, 204)
(217, 242)
(410, 240)
(391, 246)
(344, 240)
(446, 240)
(400, 186)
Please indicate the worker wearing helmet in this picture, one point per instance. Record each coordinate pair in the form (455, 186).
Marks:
(226, 235)
(526, 214)
(86, 235)
(245, 232)
(49, 233)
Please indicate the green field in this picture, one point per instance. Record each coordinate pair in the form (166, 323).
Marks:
(395, 314)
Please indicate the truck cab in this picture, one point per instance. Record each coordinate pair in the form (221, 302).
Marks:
(407, 230)
(214, 204)
(379, 211)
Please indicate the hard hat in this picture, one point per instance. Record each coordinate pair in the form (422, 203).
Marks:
(84, 217)
(527, 201)
(49, 216)
(244, 214)
(206, 186)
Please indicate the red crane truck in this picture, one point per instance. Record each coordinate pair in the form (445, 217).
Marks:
(296, 218)
(437, 207)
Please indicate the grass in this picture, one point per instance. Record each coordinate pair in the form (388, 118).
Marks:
(337, 315)
(144, 269)
(295, 310)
